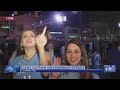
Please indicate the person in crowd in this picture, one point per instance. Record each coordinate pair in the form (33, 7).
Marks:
(1, 60)
(62, 52)
(114, 59)
(95, 58)
(33, 53)
(75, 54)
(49, 48)
(50, 45)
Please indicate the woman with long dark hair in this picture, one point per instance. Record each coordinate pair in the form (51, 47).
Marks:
(75, 55)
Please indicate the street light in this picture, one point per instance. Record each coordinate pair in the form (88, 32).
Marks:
(60, 19)
(118, 24)
(119, 30)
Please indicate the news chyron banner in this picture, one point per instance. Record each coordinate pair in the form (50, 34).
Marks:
(32, 68)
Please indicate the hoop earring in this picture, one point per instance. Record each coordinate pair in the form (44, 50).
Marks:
(21, 48)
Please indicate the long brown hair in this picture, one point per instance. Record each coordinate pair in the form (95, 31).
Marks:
(84, 60)
(20, 49)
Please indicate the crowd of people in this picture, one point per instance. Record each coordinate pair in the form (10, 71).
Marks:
(40, 49)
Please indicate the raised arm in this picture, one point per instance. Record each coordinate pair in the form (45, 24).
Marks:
(41, 41)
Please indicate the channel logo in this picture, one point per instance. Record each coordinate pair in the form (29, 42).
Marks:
(109, 68)
(10, 69)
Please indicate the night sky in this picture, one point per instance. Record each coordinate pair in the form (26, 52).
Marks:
(8, 13)
(75, 19)
(5, 13)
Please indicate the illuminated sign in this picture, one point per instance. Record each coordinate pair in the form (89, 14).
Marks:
(55, 32)
(5, 27)
(7, 18)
